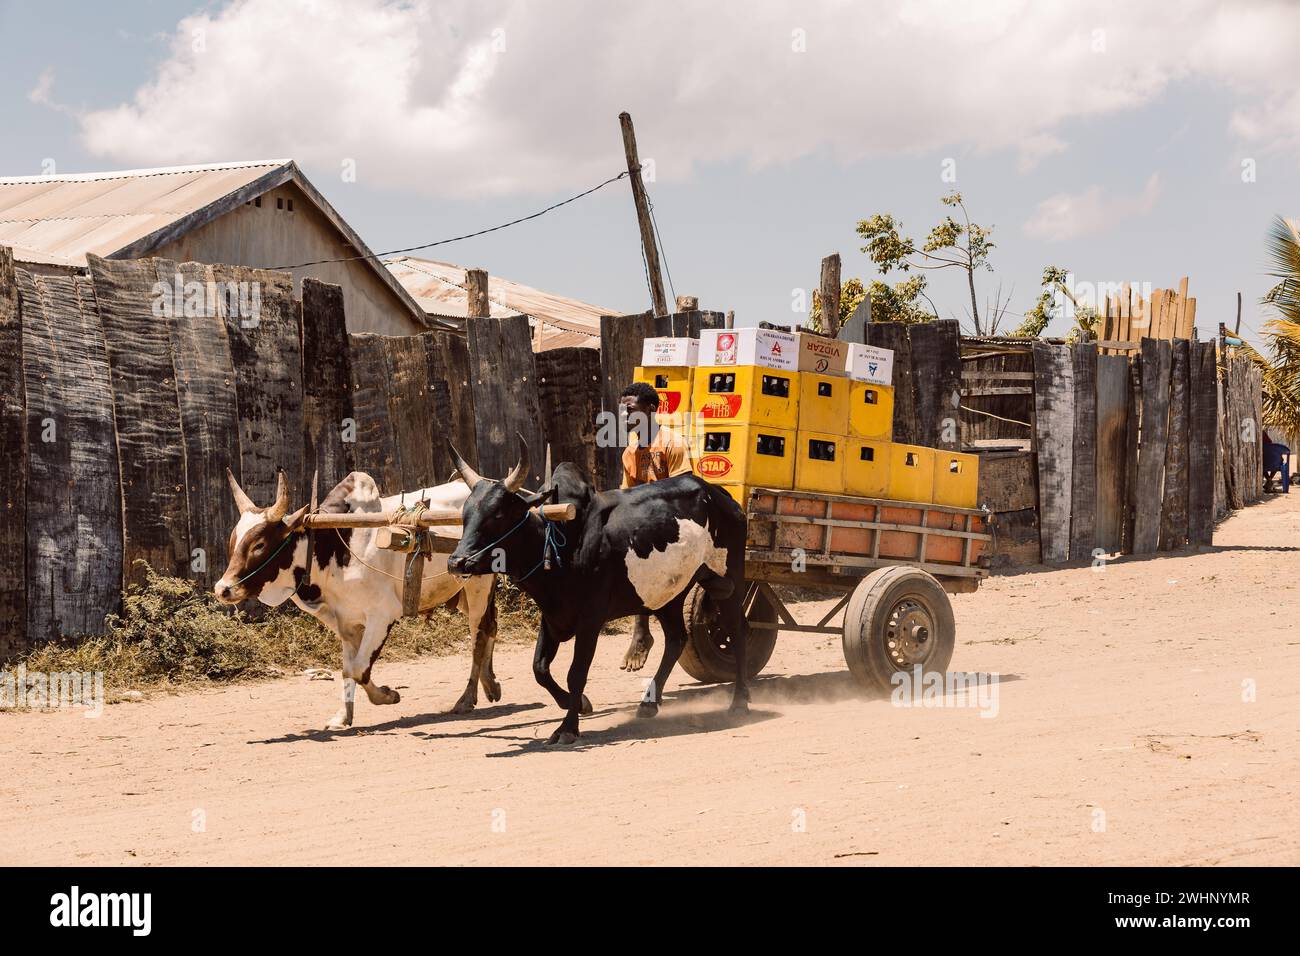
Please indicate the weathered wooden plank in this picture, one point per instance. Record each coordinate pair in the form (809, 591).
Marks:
(1008, 481)
(375, 451)
(1156, 361)
(1016, 539)
(1173, 508)
(74, 511)
(1202, 443)
(13, 466)
(449, 363)
(326, 384)
(936, 382)
(1112, 448)
(569, 390)
(1132, 431)
(1083, 482)
(136, 320)
(411, 407)
(505, 396)
(205, 390)
(1054, 442)
(266, 350)
(893, 336)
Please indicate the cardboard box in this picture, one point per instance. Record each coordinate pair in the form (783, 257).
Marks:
(867, 363)
(661, 352)
(823, 355)
(766, 348)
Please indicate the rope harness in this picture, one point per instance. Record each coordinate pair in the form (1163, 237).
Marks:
(553, 540)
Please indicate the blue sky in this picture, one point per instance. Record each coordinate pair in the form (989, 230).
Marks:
(1095, 136)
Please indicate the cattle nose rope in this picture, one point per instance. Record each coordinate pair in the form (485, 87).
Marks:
(552, 541)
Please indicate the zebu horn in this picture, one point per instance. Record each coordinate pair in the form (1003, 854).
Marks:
(468, 474)
(242, 500)
(515, 480)
(294, 521)
(277, 510)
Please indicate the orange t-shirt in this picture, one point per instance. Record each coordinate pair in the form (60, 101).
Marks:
(667, 456)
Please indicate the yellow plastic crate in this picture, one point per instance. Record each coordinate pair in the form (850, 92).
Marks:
(866, 468)
(823, 403)
(745, 395)
(956, 479)
(673, 383)
(911, 473)
(871, 410)
(745, 455)
(819, 462)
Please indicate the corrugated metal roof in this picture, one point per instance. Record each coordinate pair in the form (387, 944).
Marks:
(439, 288)
(59, 219)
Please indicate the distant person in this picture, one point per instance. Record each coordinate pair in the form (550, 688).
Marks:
(1273, 452)
(653, 452)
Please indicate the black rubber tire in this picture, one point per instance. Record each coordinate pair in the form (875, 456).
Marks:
(706, 657)
(867, 621)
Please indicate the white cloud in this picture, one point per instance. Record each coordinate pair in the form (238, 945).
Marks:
(1089, 213)
(458, 98)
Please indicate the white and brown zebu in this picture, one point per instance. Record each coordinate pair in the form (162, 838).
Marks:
(355, 587)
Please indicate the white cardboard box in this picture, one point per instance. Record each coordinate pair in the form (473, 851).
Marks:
(868, 363)
(670, 351)
(767, 348)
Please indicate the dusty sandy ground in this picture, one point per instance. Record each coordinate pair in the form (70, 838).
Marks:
(1124, 734)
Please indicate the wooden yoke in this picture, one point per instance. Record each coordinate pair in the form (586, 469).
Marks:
(409, 530)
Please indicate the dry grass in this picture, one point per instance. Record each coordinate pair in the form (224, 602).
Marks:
(172, 634)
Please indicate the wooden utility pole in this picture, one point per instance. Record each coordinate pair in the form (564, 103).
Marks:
(476, 286)
(648, 245)
(687, 303)
(830, 294)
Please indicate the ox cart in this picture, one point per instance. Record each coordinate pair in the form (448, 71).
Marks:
(892, 563)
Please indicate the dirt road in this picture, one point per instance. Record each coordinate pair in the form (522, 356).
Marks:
(1149, 713)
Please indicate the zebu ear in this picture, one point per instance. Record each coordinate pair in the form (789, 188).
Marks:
(277, 510)
(244, 503)
(467, 474)
(519, 474)
(546, 495)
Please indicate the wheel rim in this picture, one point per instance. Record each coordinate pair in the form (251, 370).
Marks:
(718, 637)
(909, 633)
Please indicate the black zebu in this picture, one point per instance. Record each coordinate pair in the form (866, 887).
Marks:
(627, 552)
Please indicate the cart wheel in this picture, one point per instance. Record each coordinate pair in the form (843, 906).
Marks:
(897, 618)
(707, 654)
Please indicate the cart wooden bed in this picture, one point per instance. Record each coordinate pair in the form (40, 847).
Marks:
(893, 563)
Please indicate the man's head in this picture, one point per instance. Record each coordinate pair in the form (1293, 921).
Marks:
(640, 403)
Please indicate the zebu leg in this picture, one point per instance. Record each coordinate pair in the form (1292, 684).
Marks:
(584, 649)
(342, 719)
(543, 654)
(376, 633)
(674, 625)
(476, 599)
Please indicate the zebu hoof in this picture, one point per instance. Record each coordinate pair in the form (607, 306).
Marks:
(493, 691)
(586, 707)
(388, 696)
(464, 706)
(562, 737)
(647, 709)
(738, 708)
(339, 722)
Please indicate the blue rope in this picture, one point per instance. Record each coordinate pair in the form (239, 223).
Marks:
(552, 541)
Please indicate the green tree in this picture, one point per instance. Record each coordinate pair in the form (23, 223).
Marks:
(1047, 307)
(951, 244)
(851, 295)
(1282, 366)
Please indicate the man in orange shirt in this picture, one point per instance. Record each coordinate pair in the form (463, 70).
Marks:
(666, 454)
